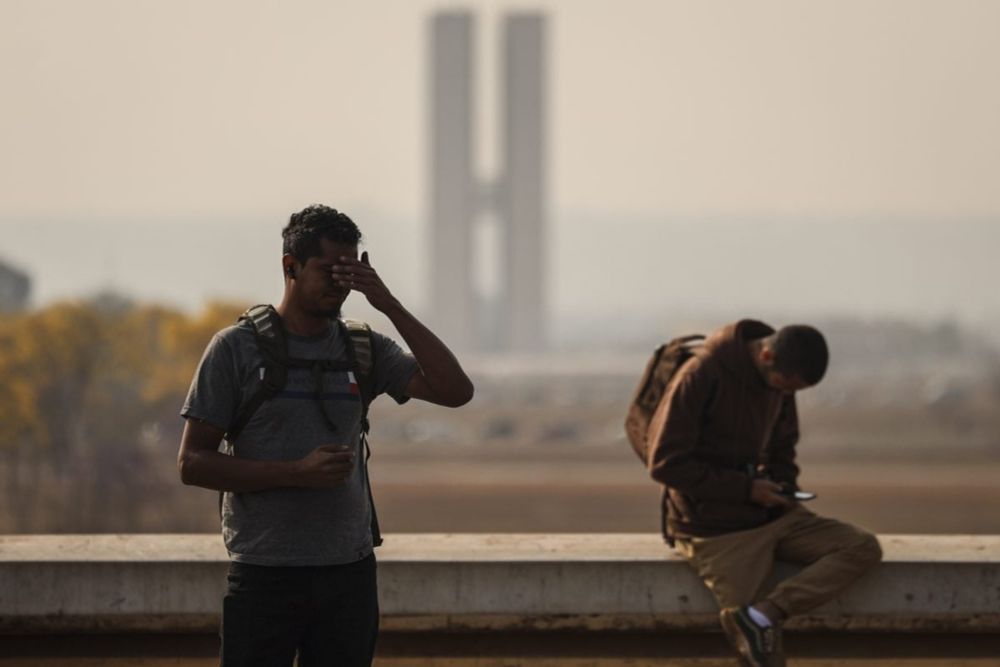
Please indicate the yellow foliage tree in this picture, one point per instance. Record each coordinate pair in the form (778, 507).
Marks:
(82, 387)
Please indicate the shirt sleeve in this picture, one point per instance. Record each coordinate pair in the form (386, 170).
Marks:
(215, 390)
(675, 437)
(392, 369)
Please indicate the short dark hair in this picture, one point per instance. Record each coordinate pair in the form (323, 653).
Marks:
(800, 350)
(305, 229)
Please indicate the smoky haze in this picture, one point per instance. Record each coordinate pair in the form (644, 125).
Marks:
(644, 272)
(834, 162)
(725, 157)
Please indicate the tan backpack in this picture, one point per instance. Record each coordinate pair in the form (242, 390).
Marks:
(662, 367)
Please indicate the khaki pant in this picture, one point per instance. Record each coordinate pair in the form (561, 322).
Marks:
(736, 566)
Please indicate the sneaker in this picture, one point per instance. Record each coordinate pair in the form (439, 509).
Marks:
(754, 643)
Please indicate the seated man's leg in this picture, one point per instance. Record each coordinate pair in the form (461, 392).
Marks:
(835, 555)
(734, 566)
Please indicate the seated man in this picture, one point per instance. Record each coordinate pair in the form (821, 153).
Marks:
(723, 442)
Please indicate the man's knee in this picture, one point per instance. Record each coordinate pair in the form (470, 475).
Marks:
(867, 550)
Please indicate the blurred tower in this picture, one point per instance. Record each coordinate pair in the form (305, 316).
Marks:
(515, 321)
(15, 288)
(453, 300)
(522, 201)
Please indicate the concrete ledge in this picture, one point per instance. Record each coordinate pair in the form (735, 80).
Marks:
(174, 583)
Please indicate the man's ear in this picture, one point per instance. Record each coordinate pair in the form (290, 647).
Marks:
(288, 266)
(766, 354)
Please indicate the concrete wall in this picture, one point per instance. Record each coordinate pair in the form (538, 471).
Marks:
(525, 583)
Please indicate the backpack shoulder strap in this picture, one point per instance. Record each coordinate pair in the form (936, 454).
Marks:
(269, 334)
(361, 355)
(360, 334)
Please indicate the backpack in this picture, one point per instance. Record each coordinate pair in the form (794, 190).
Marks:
(272, 343)
(660, 369)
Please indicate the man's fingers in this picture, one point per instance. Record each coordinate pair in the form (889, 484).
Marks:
(340, 469)
(364, 257)
(338, 455)
(352, 261)
(366, 288)
(352, 264)
(772, 501)
(356, 278)
(768, 493)
(335, 458)
(352, 271)
(781, 500)
(361, 286)
(334, 448)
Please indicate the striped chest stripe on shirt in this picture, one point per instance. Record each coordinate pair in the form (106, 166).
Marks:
(337, 386)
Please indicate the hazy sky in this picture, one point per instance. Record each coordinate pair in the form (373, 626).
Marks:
(144, 114)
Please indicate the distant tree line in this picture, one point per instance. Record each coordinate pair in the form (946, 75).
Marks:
(90, 393)
(89, 425)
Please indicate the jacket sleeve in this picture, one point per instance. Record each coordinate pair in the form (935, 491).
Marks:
(781, 448)
(675, 437)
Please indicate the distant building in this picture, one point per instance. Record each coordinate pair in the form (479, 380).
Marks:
(515, 319)
(15, 288)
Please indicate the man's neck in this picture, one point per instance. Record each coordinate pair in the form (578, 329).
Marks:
(299, 322)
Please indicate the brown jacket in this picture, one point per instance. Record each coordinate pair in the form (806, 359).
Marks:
(718, 426)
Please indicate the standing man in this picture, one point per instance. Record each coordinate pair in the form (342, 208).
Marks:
(723, 442)
(297, 516)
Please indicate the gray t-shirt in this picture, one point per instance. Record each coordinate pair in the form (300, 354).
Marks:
(294, 526)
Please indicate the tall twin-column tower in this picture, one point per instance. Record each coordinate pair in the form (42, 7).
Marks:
(514, 319)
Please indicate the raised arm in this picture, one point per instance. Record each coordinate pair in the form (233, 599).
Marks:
(440, 378)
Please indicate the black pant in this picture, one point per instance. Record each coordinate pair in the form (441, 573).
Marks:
(328, 615)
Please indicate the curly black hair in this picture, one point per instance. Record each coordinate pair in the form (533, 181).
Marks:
(305, 229)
